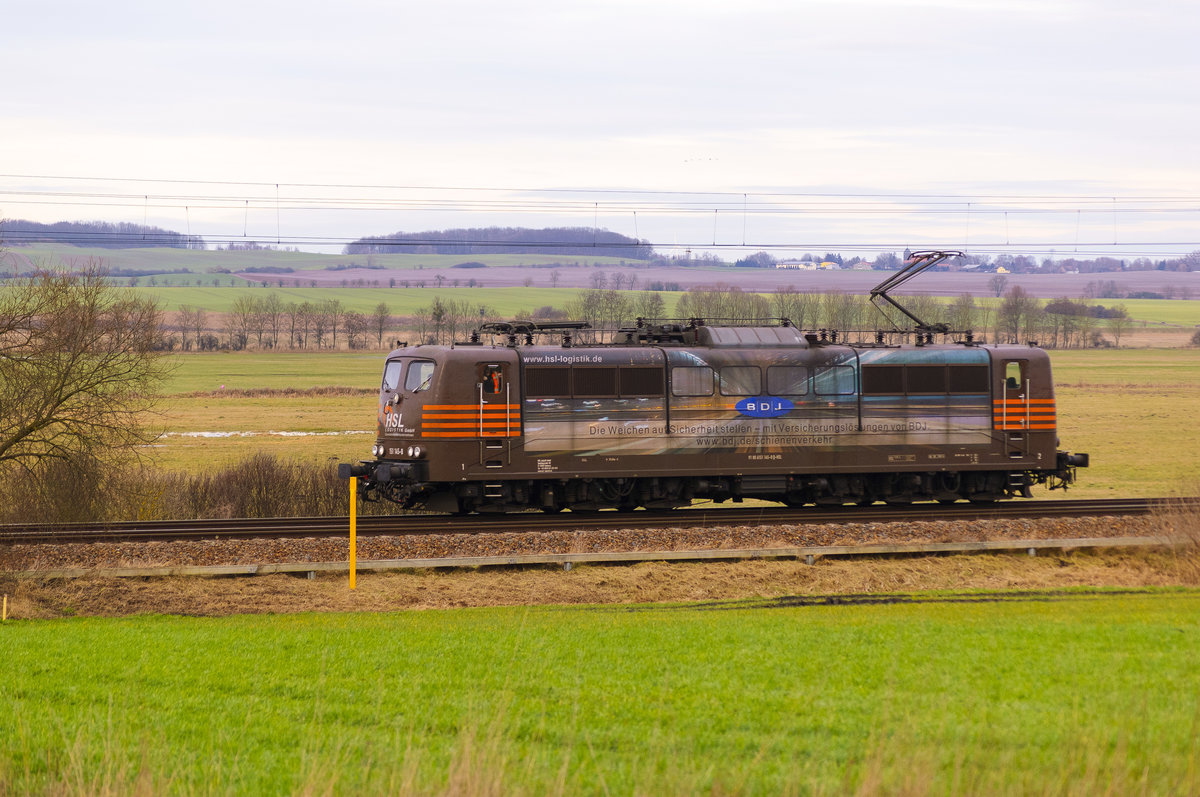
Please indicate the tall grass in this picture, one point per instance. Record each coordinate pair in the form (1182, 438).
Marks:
(260, 486)
(1181, 522)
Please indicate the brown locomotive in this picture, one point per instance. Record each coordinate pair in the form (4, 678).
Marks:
(676, 412)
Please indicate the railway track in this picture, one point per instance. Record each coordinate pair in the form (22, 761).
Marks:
(282, 528)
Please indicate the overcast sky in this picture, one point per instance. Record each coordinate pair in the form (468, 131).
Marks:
(1046, 123)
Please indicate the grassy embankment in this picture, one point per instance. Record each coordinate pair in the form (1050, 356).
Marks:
(1133, 410)
(1072, 693)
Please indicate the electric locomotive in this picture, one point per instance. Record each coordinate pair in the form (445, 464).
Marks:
(672, 412)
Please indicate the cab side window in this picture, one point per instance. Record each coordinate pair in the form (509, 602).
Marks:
(1014, 376)
(492, 377)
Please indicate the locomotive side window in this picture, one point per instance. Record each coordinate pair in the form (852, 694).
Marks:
(882, 379)
(419, 376)
(597, 382)
(551, 382)
(925, 378)
(391, 374)
(834, 380)
(690, 380)
(741, 380)
(787, 380)
(639, 381)
(969, 379)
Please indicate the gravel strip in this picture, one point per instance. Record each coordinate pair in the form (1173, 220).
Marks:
(231, 552)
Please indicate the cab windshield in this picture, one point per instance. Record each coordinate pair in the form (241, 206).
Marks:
(419, 376)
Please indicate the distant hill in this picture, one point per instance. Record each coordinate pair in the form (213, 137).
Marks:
(506, 240)
(17, 232)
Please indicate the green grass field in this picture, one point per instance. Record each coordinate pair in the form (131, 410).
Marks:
(503, 302)
(202, 262)
(507, 302)
(1073, 693)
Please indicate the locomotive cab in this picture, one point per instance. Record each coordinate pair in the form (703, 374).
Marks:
(442, 418)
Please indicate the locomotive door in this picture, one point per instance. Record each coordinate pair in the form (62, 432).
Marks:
(1013, 409)
(499, 419)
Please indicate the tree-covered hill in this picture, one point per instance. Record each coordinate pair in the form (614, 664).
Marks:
(497, 240)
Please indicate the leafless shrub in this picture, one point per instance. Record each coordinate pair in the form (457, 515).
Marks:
(258, 487)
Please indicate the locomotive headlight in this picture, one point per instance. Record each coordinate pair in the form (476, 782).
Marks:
(377, 450)
(417, 452)
(410, 451)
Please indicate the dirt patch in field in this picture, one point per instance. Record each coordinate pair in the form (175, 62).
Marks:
(610, 584)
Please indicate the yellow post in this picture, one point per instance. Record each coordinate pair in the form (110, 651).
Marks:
(4, 617)
(353, 529)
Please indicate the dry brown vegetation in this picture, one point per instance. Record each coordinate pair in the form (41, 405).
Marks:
(283, 392)
(1181, 522)
(618, 584)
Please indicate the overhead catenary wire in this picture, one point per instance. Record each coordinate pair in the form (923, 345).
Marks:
(813, 207)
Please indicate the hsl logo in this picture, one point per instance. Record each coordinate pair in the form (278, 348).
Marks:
(764, 406)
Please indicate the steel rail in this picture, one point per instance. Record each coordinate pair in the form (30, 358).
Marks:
(526, 522)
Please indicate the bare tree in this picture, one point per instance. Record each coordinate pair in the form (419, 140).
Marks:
(239, 322)
(649, 304)
(962, 313)
(1016, 313)
(1118, 323)
(183, 319)
(191, 319)
(79, 368)
(355, 325)
(319, 318)
(380, 318)
(799, 308)
(998, 283)
(333, 312)
(292, 311)
(273, 311)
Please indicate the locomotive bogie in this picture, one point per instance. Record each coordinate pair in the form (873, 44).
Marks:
(724, 415)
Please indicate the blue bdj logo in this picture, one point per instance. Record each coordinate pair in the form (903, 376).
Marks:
(764, 406)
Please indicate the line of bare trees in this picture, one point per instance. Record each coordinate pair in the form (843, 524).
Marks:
(270, 323)
(1019, 317)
